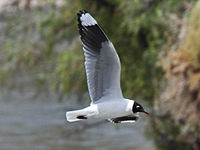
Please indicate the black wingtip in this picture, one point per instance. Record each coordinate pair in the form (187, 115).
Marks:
(91, 34)
(81, 12)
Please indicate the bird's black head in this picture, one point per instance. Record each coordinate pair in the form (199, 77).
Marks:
(138, 108)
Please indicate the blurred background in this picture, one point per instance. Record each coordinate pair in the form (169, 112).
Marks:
(42, 74)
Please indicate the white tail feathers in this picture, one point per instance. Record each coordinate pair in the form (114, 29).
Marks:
(77, 115)
(72, 115)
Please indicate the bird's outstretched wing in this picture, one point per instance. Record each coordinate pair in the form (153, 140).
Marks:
(124, 119)
(101, 60)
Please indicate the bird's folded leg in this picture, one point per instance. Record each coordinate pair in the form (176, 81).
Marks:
(81, 117)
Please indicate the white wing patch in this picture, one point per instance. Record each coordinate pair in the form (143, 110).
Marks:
(87, 20)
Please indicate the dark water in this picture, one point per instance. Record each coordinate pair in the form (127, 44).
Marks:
(27, 124)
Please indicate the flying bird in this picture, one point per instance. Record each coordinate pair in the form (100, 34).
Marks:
(103, 69)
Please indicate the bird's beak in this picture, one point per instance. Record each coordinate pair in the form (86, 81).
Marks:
(146, 112)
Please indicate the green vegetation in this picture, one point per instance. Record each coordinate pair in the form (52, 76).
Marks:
(190, 50)
(137, 29)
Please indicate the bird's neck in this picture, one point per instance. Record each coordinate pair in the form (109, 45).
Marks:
(129, 105)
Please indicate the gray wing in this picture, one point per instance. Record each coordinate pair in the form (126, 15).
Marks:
(101, 60)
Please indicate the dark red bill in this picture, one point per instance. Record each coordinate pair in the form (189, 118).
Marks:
(146, 112)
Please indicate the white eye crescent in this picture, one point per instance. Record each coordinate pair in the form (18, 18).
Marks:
(137, 106)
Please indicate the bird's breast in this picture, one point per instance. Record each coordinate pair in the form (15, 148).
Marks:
(112, 109)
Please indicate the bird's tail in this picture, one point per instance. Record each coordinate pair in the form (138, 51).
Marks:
(76, 115)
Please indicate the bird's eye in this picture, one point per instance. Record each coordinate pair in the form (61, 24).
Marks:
(137, 106)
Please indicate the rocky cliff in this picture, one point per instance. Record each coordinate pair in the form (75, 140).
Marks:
(179, 102)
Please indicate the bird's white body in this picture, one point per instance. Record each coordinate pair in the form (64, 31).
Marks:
(103, 110)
